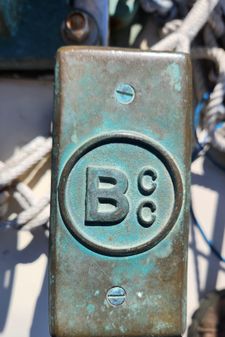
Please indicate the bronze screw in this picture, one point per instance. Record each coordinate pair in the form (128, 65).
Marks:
(76, 26)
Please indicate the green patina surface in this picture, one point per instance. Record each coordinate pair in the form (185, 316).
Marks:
(81, 273)
(175, 74)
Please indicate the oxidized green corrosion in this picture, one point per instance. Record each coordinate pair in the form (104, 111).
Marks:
(120, 193)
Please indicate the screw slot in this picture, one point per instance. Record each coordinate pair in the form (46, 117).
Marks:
(116, 296)
(124, 93)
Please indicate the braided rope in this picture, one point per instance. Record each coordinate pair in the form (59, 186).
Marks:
(218, 139)
(215, 108)
(31, 215)
(26, 193)
(40, 219)
(26, 160)
(171, 27)
(35, 212)
(191, 25)
(25, 151)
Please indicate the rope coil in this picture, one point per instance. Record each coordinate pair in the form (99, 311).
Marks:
(35, 211)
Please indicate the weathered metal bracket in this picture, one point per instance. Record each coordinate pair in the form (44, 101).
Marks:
(120, 193)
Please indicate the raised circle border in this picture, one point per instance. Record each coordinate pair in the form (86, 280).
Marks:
(125, 138)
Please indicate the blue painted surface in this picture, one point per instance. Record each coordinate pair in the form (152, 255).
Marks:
(31, 30)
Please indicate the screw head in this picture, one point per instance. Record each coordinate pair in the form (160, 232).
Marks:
(116, 296)
(76, 26)
(124, 93)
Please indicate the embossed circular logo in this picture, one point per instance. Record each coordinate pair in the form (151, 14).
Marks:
(120, 194)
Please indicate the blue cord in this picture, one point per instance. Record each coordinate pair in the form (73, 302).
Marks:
(198, 148)
(198, 109)
(197, 114)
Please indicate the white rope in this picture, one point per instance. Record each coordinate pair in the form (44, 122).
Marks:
(27, 193)
(21, 193)
(4, 198)
(25, 151)
(10, 173)
(35, 212)
(218, 139)
(215, 110)
(40, 220)
(171, 27)
(31, 215)
(191, 25)
(215, 105)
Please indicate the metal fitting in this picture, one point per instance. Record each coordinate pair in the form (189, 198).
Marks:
(76, 27)
(116, 296)
(80, 27)
(124, 93)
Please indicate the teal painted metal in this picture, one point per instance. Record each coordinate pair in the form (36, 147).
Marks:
(120, 194)
(32, 31)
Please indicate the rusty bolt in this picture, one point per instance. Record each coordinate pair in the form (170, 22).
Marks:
(76, 27)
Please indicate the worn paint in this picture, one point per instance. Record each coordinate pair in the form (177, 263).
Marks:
(92, 128)
(31, 31)
(175, 75)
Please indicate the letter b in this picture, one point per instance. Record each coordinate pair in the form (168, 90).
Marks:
(105, 200)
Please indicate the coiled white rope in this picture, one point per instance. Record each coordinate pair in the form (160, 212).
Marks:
(33, 216)
(215, 110)
(25, 159)
(35, 211)
(179, 35)
(181, 39)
